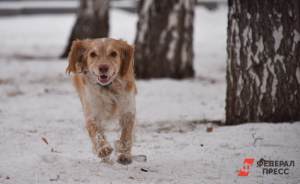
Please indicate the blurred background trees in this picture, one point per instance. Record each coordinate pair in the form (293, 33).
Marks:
(92, 22)
(263, 65)
(164, 39)
(263, 47)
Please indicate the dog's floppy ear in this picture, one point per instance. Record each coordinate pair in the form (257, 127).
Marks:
(126, 54)
(77, 56)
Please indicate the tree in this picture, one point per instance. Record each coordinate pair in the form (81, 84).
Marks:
(263, 64)
(164, 40)
(92, 22)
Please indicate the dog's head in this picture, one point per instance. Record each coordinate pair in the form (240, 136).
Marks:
(104, 59)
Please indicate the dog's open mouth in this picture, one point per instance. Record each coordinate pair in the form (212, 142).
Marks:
(103, 79)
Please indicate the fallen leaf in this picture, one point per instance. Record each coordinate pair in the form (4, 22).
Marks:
(5, 81)
(45, 140)
(209, 129)
(144, 170)
(14, 93)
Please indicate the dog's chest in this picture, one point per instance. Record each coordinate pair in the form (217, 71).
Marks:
(107, 105)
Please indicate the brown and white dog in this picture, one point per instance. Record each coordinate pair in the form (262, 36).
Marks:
(104, 79)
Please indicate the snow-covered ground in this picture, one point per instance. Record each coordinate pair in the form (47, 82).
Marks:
(38, 4)
(38, 102)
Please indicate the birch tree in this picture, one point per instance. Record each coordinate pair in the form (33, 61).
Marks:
(164, 40)
(92, 22)
(263, 65)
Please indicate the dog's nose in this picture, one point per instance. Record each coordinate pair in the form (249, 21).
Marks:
(103, 68)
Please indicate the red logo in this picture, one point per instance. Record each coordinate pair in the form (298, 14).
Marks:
(244, 171)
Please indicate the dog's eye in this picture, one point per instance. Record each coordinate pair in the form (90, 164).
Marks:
(93, 54)
(113, 54)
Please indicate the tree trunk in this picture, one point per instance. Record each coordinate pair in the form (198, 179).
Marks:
(164, 40)
(263, 65)
(92, 22)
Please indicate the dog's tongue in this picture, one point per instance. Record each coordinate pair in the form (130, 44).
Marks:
(103, 78)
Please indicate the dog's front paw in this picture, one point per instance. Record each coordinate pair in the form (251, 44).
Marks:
(125, 159)
(104, 151)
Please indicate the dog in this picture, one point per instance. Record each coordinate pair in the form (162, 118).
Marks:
(103, 76)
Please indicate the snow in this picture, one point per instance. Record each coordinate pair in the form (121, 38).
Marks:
(38, 4)
(298, 74)
(290, 13)
(38, 102)
(260, 49)
(279, 58)
(210, 30)
(247, 35)
(34, 35)
(277, 35)
(263, 86)
(274, 81)
(184, 53)
(296, 39)
(172, 22)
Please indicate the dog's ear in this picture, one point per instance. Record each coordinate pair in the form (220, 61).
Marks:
(77, 56)
(127, 59)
